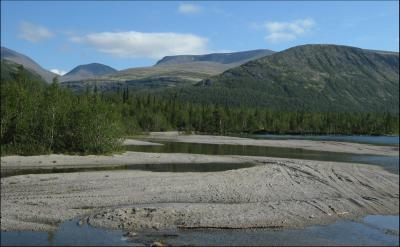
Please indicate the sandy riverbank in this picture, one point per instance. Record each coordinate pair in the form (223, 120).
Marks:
(328, 146)
(278, 193)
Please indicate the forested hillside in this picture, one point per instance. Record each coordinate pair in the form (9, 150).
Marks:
(39, 118)
(308, 78)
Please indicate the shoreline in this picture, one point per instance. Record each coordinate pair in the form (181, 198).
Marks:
(277, 193)
(326, 146)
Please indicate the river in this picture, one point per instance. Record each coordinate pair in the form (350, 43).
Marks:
(371, 230)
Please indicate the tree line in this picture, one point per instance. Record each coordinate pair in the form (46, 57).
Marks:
(152, 113)
(38, 118)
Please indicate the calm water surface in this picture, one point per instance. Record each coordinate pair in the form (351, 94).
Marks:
(390, 163)
(189, 167)
(67, 234)
(184, 167)
(377, 140)
(372, 230)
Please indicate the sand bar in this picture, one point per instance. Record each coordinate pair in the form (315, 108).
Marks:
(278, 193)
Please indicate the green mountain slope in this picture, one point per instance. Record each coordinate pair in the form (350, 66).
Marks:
(10, 70)
(309, 77)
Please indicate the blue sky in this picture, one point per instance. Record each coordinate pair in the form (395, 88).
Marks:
(61, 35)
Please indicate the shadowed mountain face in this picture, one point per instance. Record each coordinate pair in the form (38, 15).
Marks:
(170, 71)
(88, 71)
(309, 77)
(28, 63)
(223, 58)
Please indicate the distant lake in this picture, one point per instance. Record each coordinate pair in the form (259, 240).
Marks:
(378, 140)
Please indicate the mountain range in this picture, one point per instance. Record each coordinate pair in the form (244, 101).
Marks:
(170, 71)
(307, 77)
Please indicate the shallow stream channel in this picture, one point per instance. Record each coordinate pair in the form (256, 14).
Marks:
(390, 163)
(374, 230)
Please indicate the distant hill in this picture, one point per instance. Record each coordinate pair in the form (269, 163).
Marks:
(28, 63)
(87, 71)
(223, 58)
(173, 71)
(308, 77)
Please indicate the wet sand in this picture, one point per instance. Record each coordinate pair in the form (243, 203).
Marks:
(328, 146)
(277, 194)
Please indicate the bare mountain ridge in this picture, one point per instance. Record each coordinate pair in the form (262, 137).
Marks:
(87, 71)
(223, 58)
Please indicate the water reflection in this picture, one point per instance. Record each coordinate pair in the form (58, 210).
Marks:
(189, 167)
(347, 233)
(183, 167)
(390, 163)
(67, 234)
(376, 140)
(374, 230)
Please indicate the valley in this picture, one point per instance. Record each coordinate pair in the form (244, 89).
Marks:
(148, 143)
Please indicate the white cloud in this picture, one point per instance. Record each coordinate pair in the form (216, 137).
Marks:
(58, 71)
(144, 45)
(33, 33)
(287, 31)
(187, 8)
(280, 37)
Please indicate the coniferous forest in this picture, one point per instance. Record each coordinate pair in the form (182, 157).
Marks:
(39, 118)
